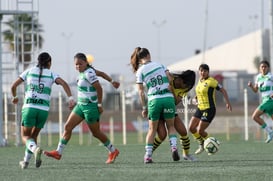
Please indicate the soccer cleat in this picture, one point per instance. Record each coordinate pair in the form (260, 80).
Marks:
(175, 154)
(269, 137)
(23, 164)
(189, 158)
(37, 154)
(148, 159)
(112, 156)
(200, 149)
(54, 154)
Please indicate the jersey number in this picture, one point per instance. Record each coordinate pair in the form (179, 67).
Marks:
(158, 80)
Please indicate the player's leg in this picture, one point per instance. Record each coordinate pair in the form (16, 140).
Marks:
(72, 121)
(97, 133)
(168, 106)
(161, 134)
(184, 138)
(206, 119)
(203, 125)
(265, 107)
(153, 125)
(172, 138)
(33, 121)
(194, 122)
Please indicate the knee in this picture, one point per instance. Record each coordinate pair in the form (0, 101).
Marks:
(254, 116)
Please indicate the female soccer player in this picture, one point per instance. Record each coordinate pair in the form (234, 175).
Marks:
(88, 108)
(38, 81)
(181, 84)
(206, 105)
(160, 98)
(264, 84)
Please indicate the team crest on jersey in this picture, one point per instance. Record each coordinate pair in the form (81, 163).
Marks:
(92, 78)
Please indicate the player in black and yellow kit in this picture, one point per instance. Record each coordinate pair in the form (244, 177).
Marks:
(181, 84)
(206, 105)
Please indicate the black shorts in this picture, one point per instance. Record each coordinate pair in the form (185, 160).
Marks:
(206, 115)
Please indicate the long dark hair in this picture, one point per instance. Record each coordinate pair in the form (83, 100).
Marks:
(138, 54)
(43, 60)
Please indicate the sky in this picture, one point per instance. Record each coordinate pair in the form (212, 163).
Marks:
(172, 30)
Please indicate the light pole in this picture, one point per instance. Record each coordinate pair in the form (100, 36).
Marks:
(262, 29)
(159, 26)
(67, 38)
(253, 20)
(271, 32)
(205, 31)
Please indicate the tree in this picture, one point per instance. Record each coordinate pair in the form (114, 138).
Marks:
(26, 26)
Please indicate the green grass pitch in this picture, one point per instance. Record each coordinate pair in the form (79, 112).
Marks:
(236, 160)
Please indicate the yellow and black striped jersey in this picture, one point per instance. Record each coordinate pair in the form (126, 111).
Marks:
(205, 92)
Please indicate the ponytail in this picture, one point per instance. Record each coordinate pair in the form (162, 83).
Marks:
(43, 60)
(137, 55)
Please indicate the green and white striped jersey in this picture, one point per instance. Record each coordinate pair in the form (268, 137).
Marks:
(265, 85)
(37, 94)
(86, 92)
(153, 75)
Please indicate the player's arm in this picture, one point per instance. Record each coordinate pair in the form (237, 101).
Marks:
(170, 78)
(142, 97)
(67, 90)
(254, 87)
(14, 86)
(178, 99)
(224, 92)
(108, 78)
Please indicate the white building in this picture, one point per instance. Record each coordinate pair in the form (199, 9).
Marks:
(235, 55)
(232, 62)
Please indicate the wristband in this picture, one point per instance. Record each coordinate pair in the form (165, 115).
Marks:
(144, 107)
(70, 98)
(112, 81)
(14, 97)
(99, 105)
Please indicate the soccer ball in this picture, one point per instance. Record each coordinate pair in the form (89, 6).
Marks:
(211, 145)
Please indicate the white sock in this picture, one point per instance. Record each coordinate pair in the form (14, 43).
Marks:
(27, 156)
(173, 142)
(149, 150)
(110, 147)
(60, 148)
(268, 129)
(31, 145)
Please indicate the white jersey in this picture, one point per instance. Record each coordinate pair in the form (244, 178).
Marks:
(153, 75)
(37, 94)
(86, 92)
(265, 85)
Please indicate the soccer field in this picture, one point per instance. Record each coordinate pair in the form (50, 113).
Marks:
(236, 160)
